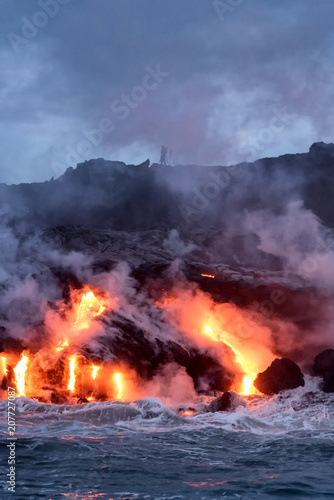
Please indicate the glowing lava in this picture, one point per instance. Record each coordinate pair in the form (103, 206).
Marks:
(247, 384)
(71, 383)
(4, 366)
(248, 379)
(208, 275)
(61, 345)
(119, 384)
(95, 368)
(20, 372)
(89, 307)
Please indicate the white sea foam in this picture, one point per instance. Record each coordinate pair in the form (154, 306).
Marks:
(302, 410)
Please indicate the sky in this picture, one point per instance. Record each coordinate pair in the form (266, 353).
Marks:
(216, 81)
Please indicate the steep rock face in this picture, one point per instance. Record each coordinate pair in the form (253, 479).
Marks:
(109, 194)
(324, 367)
(281, 375)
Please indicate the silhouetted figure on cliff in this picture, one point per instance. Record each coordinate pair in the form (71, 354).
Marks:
(163, 155)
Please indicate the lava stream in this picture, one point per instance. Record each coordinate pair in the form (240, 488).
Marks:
(63, 344)
(248, 379)
(89, 306)
(71, 383)
(20, 371)
(95, 368)
(119, 384)
(4, 365)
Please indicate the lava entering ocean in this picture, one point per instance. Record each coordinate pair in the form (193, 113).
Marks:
(61, 370)
(248, 386)
(20, 372)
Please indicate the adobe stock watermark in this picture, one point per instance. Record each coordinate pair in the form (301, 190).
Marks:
(263, 311)
(31, 27)
(11, 414)
(121, 109)
(202, 197)
(255, 145)
(223, 7)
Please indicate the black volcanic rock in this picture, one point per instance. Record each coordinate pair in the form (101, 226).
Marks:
(208, 374)
(324, 367)
(58, 397)
(323, 149)
(132, 345)
(281, 375)
(81, 401)
(8, 343)
(228, 401)
(109, 194)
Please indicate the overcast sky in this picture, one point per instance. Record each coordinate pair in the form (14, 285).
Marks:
(216, 82)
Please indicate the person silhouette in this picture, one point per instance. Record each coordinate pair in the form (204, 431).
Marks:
(163, 155)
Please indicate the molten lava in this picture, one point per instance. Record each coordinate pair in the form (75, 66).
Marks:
(247, 384)
(52, 375)
(95, 368)
(4, 365)
(71, 383)
(248, 379)
(89, 307)
(61, 345)
(119, 384)
(20, 372)
(208, 275)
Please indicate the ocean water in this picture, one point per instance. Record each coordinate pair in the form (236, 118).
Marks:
(275, 447)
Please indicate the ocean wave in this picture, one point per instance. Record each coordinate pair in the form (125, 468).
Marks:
(305, 409)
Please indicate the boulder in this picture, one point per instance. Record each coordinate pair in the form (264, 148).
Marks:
(58, 397)
(281, 375)
(81, 401)
(324, 367)
(228, 401)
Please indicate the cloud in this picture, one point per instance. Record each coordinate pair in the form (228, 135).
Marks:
(224, 80)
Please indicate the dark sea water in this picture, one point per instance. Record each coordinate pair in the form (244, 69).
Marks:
(276, 447)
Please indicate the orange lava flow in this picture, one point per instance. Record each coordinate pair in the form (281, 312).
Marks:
(95, 368)
(249, 377)
(61, 345)
(89, 307)
(58, 371)
(119, 384)
(248, 382)
(71, 383)
(208, 275)
(4, 365)
(20, 372)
